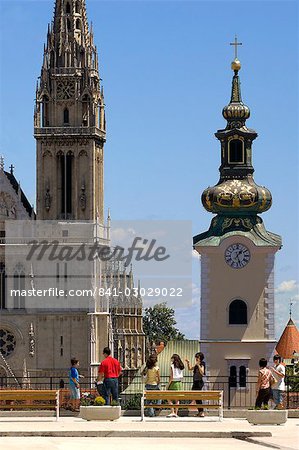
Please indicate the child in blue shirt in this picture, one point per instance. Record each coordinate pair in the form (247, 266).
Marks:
(74, 385)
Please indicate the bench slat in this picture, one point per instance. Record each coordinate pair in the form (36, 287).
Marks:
(215, 399)
(153, 405)
(28, 406)
(28, 391)
(28, 397)
(182, 397)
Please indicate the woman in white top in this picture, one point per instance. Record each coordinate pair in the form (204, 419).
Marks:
(278, 371)
(175, 380)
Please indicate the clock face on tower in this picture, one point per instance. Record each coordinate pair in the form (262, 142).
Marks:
(237, 256)
(65, 90)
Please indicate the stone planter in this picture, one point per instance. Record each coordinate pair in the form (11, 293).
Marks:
(100, 412)
(269, 417)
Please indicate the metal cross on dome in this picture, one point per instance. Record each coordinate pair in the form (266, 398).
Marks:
(235, 44)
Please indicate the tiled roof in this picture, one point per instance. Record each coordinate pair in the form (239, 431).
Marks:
(289, 341)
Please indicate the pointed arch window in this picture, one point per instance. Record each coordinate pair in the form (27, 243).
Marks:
(45, 111)
(66, 116)
(236, 151)
(19, 287)
(68, 24)
(68, 8)
(77, 6)
(66, 182)
(238, 312)
(52, 58)
(78, 24)
(2, 286)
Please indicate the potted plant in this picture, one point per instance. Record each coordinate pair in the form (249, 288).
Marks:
(266, 416)
(93, 408)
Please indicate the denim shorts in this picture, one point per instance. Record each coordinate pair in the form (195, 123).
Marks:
(75, 393)
(277, 396)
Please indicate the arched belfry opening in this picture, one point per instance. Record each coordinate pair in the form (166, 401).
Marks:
(65, 168)
(236, 151)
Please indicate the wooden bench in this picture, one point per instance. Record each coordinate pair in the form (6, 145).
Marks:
(215, 399)
(29, 399)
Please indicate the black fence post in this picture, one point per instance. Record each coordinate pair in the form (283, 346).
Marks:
(288, 393)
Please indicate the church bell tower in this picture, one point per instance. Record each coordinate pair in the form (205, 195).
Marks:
(237, 255)
(69, 120)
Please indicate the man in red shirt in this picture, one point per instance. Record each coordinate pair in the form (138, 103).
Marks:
(109, 371)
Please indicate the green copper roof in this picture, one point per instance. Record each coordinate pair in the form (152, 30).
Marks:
(223, 227)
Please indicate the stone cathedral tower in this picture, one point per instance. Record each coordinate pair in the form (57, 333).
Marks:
(69, 120)
(70, 132)
(237, 256)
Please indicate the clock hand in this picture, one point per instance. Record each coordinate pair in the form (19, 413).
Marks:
(237, 254)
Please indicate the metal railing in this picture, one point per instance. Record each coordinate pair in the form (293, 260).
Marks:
(131, 387)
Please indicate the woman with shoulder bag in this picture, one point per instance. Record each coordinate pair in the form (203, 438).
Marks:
(199, 370)
(151, 373)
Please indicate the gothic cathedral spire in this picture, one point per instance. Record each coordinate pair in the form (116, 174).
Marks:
(69, 120)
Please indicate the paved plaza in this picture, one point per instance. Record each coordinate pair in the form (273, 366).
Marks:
(130, 433)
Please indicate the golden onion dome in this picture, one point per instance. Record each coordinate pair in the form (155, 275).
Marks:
(235, 196)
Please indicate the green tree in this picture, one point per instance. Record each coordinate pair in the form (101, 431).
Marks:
(159, 324)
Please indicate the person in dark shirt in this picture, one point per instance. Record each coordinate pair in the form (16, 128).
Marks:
(199, 370)
(109, 371)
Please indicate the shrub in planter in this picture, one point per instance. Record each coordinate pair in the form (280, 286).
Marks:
(99, 401)
(94, 408)
(134, 403)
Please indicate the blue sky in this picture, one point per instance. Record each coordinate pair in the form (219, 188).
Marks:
(166, 73)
